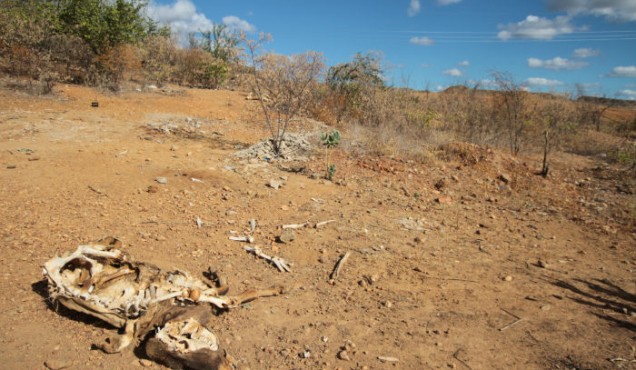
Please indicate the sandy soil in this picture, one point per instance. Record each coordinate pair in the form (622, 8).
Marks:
(471, 262)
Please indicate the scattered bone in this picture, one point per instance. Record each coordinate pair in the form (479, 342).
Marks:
(323, 223)
(199, 222)
(295, 226)
(194, 179)
(161, 180)
(281, 264)
(252, 223)
(242, 238)
(338, 266)
(388, 359)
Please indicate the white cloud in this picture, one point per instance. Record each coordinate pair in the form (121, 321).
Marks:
(630, 94)
(454, 72)
(623, 71)
(237, 24)
(422, 41)
(613, 10)
(463, 63)
(181, 16)
(586, 53)
(414, 8)
(557, 63)
(542, 82)
(536, 28)
(447, 2)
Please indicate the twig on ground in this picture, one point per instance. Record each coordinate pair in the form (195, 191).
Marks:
(518, 320)
(96, 190)
(338, 266)
(456, 357)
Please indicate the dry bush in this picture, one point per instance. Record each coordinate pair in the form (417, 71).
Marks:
(283, 86)
(160, 57)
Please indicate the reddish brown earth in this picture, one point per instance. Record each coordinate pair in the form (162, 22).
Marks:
(470, 261)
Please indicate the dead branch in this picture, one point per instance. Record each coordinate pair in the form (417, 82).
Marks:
(338, 266)
(456, 357)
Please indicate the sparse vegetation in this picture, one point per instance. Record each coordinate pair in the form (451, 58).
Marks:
(330, 141)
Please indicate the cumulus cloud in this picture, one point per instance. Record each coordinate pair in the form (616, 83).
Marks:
(623, 71)
(454, 72)
(612, 10)
(586, 53)
(463, 63)
(557, 63)
(237, 24)
(414, 8)
(448, 2)
(181, 16)
(542, 82)
(536, 28)
(422, 41)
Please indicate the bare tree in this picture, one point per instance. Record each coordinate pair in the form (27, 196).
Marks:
(557, 119)
(512, 98)
(283, 85)
(591, 109)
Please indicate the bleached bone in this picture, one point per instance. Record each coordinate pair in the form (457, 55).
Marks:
(296, 226)
(280, 263)
(101, 281)
(242, 238)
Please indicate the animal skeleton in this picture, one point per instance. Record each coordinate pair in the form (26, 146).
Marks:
(100, 280)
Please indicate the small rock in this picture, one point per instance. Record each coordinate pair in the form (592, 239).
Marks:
(546, 307)
(31, 159)
(388, 304)
(161, 180)
(11, 166)
(54, 364)
(287, 236)
(543, 264)
(504, 177)
(275, 184)
(305, 354)
(145, 362)
(343, 355)
(443, 200)
(174, 148)
(508, 278)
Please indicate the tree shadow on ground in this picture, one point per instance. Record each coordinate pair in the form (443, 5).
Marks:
(604, 295)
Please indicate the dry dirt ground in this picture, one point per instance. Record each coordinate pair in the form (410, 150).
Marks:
(470, 261)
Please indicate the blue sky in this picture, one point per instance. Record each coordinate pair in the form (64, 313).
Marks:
(545, 44)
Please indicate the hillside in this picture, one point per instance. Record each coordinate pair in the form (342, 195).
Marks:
(466, 259)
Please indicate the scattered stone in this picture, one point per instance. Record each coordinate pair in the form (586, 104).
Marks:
(287, 236)
(161, 180)
(95, 104)
(444, 200)
(441, 184)
(54, 364)
(275, 184)
(504, 177)
(11, 166)
(36, 158)
(305, 354)
(546, 307)
(543, 264)
(508, 278)
(344, 355)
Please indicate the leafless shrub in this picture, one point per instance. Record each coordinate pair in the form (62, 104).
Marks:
(283, 85)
